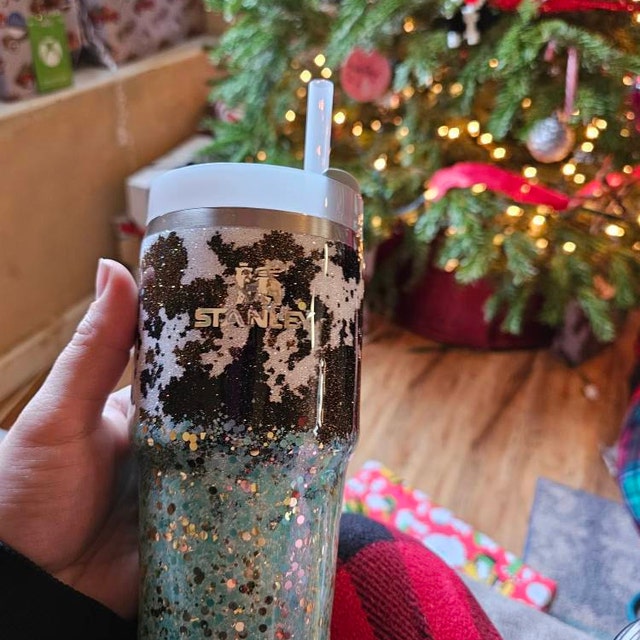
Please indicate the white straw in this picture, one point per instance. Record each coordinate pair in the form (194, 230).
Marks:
(317, 143)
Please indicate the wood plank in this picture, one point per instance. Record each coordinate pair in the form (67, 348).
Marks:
(475, 430)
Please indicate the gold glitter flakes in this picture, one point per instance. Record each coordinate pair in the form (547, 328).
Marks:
(192, 439)
(231, 583)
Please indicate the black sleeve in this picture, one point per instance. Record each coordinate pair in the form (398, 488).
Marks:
(36, 606)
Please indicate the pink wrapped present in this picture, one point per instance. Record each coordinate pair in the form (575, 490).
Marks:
(377, 492)
(122, 30)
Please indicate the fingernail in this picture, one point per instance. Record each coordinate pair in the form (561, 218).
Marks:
(102, 276)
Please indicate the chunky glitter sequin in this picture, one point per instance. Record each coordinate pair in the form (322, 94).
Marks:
(247, 394)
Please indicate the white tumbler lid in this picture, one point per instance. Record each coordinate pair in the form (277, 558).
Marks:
(256, 186)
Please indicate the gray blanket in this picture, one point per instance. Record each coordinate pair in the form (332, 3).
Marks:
(517, 621)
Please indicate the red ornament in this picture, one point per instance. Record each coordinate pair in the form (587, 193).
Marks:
(365, 76)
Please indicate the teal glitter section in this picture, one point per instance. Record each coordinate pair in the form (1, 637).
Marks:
(234, 546)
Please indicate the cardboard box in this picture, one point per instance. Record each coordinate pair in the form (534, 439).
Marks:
(139, 183)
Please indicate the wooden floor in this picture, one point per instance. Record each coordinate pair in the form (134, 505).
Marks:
(475, 430)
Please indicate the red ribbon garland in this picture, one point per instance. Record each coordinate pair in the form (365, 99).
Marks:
(559, 6)
(465, 175)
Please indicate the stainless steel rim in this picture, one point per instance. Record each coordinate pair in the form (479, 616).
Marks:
(266, 219)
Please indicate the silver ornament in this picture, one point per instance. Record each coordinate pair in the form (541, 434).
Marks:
(550, 140)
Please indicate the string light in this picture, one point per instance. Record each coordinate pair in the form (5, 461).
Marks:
(529, 172)
(473, 127)
(600, 123)
(409, 25)
(569, 247)
(443, 131)
(636, 246)
(514, 211)
(410, 148)
(587, 147)
(403, 132)
(542, 243)
(437, 88)
(627, 81)
(376, 222)
(408, 92)
(628, 169)
(306, 76)
(592, 132)
(380, 163)
(538, 220)
(454, 133)
(430, 194)
(579, 178)
(479, 187)
(357, 129)
(625, 133)
(494, 63)
(376, 125)
(568, 169)
(498, 239)
(394, 101)
(630, 115)
(543, 210)
(326, 73)
(301, 92)
(320, 59)
(499, 153)
(526, 103)
(340, 117)
(397, 121)
(451, 265)
(451, 231)
(614, 231)
(456, 89)
(486, 138)
(290, 116)
(261, 155)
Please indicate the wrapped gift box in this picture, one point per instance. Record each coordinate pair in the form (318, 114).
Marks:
(377, 492)
(123, 30)
(17, 74)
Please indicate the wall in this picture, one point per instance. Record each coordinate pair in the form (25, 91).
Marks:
(63, 162)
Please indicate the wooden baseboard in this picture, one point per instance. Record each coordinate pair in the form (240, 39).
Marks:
(33, 356)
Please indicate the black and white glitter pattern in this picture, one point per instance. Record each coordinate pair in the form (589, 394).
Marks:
(247, 395)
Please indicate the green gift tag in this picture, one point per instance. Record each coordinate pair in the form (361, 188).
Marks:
(50, 49)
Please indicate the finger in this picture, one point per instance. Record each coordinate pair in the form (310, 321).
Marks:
(118, 412)
(88, 369)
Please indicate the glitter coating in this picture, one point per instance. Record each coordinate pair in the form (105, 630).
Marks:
(247, 396)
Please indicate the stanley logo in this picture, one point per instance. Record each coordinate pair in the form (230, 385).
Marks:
(258, 299)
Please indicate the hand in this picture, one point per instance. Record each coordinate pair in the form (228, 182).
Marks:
(67, 492)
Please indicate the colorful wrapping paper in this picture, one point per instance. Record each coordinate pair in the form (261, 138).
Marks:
(123, 30)
(377, 492)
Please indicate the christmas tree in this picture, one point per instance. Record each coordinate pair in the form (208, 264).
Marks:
(501, 135)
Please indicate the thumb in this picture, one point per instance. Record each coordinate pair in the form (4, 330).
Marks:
(86, 372)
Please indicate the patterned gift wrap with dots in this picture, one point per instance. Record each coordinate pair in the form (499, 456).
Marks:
(379, 493)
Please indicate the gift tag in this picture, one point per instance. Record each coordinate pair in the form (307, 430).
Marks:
(50, 48)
